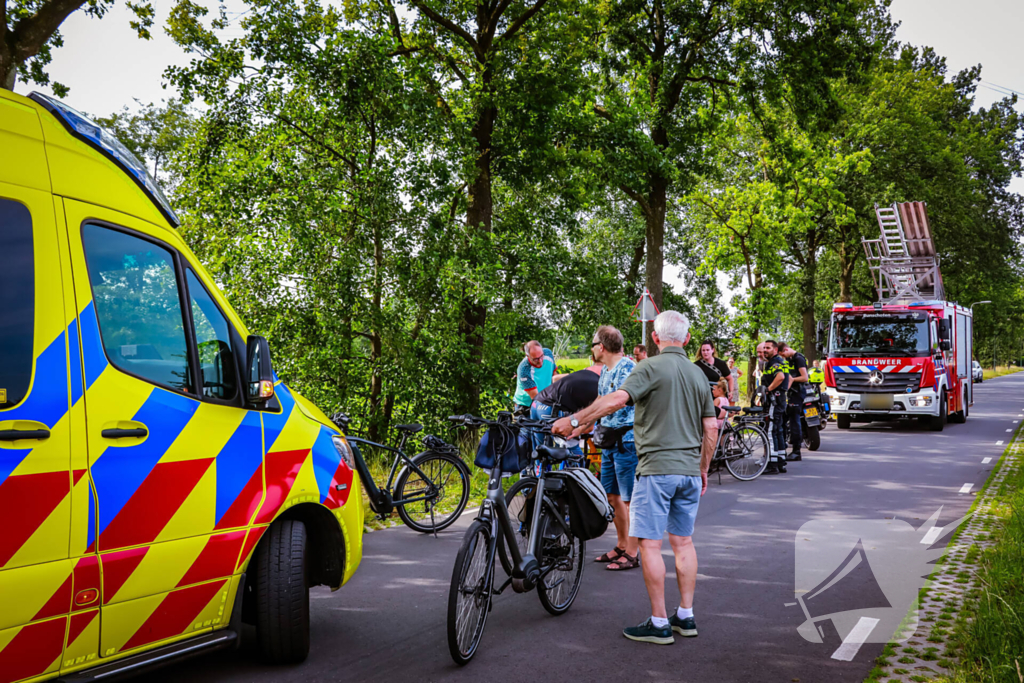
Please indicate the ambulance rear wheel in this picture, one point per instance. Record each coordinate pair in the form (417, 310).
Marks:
(282, 594)
(843, 421)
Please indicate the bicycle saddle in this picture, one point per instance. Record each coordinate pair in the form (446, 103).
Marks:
(412, 429)
(552, 454)
(755, 409)
(732, 409)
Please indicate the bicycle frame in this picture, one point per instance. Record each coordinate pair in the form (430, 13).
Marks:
(373, 490)
(494, 512)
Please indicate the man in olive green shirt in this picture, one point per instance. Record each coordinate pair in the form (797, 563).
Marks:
(675, 431)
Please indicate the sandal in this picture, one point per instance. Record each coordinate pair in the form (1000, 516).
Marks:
(611, 555)
(632, 562)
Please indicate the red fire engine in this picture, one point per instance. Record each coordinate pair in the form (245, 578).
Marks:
(909, 354)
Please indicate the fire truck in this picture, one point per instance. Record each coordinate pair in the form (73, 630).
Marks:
(909, 354)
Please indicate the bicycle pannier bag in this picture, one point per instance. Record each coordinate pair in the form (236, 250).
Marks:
(516, 449)
(589, 511)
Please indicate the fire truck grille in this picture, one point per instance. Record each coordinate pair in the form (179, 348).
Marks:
(894, 383)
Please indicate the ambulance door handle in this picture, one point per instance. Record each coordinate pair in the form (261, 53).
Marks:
(137, 433)
(19, 434)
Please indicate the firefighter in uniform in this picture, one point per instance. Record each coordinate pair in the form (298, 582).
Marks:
(796, 364)
(774, 380)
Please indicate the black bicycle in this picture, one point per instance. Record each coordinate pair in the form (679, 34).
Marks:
(533, 539)
(431, 489)
(742, 445)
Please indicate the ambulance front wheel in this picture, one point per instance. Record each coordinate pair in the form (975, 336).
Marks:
(843, 421)
(282, 594)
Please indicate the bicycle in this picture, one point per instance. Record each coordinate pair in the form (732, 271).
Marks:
(549, 559)
(437, 478)
(743, 447)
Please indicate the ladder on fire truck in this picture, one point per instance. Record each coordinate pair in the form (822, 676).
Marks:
(903, 263)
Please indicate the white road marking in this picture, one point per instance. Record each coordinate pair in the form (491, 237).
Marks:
(966, 488)
(999, 443)
(985, 461)
(1009, 430)
(931, 536)
(854, 639)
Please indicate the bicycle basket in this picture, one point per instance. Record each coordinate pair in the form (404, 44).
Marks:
(513, 444)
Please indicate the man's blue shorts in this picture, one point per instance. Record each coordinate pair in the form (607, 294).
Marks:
(618, 470)
(664, 502)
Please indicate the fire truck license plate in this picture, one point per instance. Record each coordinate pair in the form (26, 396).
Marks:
(876, 401)
(811, 412)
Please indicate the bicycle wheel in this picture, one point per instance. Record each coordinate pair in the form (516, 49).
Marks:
(449, 476)
(746, 452)
(516, 499)
(469, 596)
(563, 552)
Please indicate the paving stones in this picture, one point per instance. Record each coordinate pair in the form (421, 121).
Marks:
(921, 654)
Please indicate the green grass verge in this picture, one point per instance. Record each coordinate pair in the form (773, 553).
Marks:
(989, 373)
(573, 364)
(988, 636)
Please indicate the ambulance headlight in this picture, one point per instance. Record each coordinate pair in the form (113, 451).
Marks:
(343, 450)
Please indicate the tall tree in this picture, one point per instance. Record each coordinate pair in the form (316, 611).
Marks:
(29, 29)
(669, 64)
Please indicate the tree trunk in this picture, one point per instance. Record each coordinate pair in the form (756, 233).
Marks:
(8, 74)
(478, 217)
(808, 296)
(655, 238)
(378, 424)
(846, 263)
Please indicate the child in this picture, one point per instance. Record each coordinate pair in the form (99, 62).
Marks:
(721, 393)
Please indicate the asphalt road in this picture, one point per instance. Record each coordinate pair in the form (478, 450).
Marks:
(388, 623)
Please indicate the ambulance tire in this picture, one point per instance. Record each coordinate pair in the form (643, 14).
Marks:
(282, 594)
(937, 422)
(843, 421)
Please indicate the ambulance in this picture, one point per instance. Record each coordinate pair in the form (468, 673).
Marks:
(159, 485)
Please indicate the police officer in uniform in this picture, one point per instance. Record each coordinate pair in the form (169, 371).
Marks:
(774, 380)
(797, 365)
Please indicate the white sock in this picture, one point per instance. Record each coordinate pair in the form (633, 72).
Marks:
(659, 622)
(684, 613)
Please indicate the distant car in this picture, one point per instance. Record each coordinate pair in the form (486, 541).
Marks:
(976, 372)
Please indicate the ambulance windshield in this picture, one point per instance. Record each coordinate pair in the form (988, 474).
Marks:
(881, 334)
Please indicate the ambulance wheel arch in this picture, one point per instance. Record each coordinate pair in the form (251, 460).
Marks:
(326, 549)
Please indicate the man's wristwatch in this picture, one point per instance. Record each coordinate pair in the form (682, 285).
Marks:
(573, 421)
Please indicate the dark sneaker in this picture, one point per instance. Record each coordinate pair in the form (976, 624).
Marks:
(649, 633)
(794, 457)
(684, 627)
(782, 466)
(772, 468)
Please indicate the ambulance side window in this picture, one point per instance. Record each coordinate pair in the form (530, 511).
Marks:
(213, 341)
(17, 302)
(138, 305)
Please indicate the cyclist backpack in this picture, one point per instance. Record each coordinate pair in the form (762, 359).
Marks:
(589, 510)
(514, 444)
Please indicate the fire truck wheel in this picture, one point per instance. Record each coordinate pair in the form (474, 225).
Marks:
(843, 421)
(960, 416)
(937, 422)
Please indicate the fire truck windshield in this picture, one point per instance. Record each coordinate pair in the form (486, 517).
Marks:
(881, 334)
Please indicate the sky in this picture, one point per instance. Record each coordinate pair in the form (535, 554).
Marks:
(107, 67)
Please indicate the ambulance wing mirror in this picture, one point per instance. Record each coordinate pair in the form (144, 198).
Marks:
(944, 331)
(821, 329)
(261, 374)
(944, 344)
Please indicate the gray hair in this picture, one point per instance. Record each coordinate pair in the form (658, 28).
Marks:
(672, 326)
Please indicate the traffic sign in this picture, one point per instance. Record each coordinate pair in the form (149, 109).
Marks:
(645, 310)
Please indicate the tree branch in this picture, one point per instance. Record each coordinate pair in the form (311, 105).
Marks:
(30, 34)
(638, 198)
(451, 26)
(523, 18)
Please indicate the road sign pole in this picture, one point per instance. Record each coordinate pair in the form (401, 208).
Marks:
(643, 333)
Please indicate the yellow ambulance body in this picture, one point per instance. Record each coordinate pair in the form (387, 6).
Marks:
(156, 480)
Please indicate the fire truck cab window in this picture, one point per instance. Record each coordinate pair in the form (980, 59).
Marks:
(885, 334)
